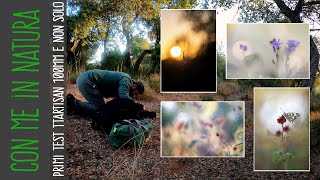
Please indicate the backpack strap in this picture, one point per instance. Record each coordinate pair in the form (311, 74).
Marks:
(145, 129)
(125, 122)
(130, 125)
(133, 123)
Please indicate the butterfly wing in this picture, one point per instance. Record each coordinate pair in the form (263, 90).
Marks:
(291, 117)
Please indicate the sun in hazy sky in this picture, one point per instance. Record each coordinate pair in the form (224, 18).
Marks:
(175, 51)
(178, 36)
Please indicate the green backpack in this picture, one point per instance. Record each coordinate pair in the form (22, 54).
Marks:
(129, 132)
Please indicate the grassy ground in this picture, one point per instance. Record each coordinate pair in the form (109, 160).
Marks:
(91, 157)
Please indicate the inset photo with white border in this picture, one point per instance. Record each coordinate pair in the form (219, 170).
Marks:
(268, 51)
(202, 129)
(188, 51)
(281, 129)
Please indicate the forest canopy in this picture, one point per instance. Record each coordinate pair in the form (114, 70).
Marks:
(128, 34)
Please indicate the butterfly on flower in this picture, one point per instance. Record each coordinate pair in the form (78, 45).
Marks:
(291, 116)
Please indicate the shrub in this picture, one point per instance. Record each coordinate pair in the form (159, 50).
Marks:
(149, 93)
(315, 102)
(73, 78)
(112, 60)
(154, 82)
(262, 83)
(206, 97)
(226, 88)
(221, 67)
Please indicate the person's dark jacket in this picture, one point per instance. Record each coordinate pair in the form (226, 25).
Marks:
(111, 83)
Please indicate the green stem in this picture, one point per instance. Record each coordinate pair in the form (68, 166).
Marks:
(284, 163)
(287, 65)
(282, 139)
(277, 63)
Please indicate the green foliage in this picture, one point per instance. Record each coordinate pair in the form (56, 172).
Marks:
(261, 83)
(87, 22)
(316, 89)
(315, 102)
(221, 66)
(154, 82)
(151, 84)
(90, 66)
(266, 11)
(315, 95)
(250, 83)
(72, 75)
(155, 56)
(139, 44)
(181, 4)
(112, 60)
(73, 78)
(148, 93)
(206, 97)
(279, 157)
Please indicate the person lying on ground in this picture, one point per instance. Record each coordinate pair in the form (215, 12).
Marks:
(95, 85)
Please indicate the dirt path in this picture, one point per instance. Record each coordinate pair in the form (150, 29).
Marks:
(91, 157)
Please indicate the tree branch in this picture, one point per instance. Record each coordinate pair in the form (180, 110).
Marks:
(311, 3)
(314, 65)
(298, 8)
(293, 16)
(283, 7)
(138, 62)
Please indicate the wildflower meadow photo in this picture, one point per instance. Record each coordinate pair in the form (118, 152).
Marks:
(202, 129)
(188, 51)
(281, 129)
(268, 51)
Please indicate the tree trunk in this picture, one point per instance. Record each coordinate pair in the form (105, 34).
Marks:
(105, 41)
(127, 59)
(156, 62)
(158, 36)
(314, 65)
(136, 66)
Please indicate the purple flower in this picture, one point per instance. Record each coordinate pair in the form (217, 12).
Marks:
(276, 45)
(243, 47)
(291, 46)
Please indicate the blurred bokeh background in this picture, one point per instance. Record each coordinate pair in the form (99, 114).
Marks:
(188, 50)
(202, 128)
(269, 104)
(257, 61)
